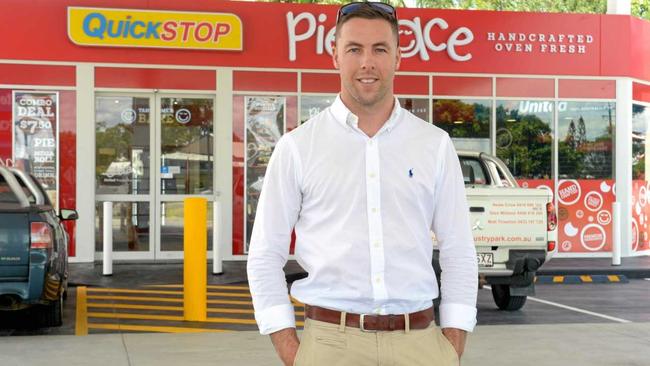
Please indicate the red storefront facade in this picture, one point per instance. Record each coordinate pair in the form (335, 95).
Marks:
(158, 103)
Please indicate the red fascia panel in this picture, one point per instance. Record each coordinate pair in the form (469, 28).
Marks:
(37, 75)
(605, 89)
(265, 81)
(411, 85)
(513, 87)
(462, 86)
(118, 77)
(320, 83)
(641, 92)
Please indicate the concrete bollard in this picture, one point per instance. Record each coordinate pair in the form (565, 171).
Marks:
(108, 239)
(195, 244)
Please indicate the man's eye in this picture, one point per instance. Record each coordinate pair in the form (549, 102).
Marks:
(353, 50)
(381, 50)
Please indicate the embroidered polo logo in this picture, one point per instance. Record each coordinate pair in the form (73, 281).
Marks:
(411, 173)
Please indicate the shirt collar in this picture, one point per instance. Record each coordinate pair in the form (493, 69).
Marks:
(349, 120)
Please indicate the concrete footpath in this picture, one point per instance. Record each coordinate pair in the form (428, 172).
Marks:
(540, 345)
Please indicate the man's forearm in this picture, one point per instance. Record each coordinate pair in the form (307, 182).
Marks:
(286, 344)
(457, 338)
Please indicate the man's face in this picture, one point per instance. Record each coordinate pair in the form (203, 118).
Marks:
(367, 56)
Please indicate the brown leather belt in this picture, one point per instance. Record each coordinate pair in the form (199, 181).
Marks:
(371, 322)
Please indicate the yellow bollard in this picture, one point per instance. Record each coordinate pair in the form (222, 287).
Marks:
(195, 242)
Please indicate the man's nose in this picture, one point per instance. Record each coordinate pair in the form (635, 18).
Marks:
(368, 61)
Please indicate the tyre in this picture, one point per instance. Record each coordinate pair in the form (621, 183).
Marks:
(505, 301)
(51, 315)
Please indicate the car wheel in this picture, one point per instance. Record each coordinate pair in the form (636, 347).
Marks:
(52, 314)
(505, 301)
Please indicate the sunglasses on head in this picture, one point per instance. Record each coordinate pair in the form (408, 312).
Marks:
(354, 7)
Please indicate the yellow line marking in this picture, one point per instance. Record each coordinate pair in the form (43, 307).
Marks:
(558, 279)
(132, 291)
(210, 287)
(175, 308)
(167, 299)
(166, 317)
(81, 324)
(152, 328)
(613, 278)
(586, 279)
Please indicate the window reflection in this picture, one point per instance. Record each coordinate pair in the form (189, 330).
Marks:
(186, 146)
(417, 106)
(585, 139)
(311, 105)
(524, 137)
(122, 145)
(130, 226)
(467, 121)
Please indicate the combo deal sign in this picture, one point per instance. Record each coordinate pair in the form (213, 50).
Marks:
(156, 29)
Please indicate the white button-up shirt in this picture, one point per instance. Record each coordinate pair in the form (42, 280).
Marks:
(362, 209)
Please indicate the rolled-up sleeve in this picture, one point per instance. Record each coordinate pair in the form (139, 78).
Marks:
(451, 225)
(277, 211)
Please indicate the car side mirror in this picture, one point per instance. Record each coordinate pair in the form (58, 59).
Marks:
(67, 214)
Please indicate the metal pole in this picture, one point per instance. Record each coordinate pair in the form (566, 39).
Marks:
(108, 239)
(217, 257)
(616, 236)
(195, 243)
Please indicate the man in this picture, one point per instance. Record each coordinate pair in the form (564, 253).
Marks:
(362, 183)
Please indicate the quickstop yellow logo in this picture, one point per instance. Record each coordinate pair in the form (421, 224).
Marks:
(157, 29)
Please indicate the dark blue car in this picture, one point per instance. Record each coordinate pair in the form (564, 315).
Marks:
(33, 249)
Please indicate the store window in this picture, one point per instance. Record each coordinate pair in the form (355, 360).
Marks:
(466, 120)
(258, 123)
(130, 226)
(417, 106)
(640, 181)
(585, 131)
(524, 138)
(311, 105)
(585, 191)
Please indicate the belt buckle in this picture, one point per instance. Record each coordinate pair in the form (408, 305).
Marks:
(361, 321)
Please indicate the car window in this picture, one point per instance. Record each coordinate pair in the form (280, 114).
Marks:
(473, 172)
(6, 194)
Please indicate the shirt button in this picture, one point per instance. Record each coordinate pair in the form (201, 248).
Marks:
(371, 175)
(378, 280)
(376, 244)
(374, 210)
(371, 142)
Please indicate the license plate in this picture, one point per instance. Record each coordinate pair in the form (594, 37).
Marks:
(485, 259)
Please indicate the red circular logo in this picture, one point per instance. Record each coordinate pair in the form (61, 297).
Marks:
(593, 201)
(568, 192)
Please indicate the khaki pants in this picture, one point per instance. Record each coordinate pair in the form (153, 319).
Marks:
(331, 344)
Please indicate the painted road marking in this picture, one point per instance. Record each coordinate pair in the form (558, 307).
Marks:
(210, 287)
(131, 291)
(159, 308)
(154, 328)
(619, 320)
(81, 324)
(558, 279)
(586, 279)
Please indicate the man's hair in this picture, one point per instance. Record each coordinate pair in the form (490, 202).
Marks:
(368, 12)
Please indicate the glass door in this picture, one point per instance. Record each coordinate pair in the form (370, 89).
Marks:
(123, 137)
(184, 166)
(147, 185)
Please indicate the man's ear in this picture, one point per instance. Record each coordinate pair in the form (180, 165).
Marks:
(398, 56)
(335, 57)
